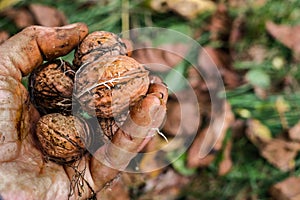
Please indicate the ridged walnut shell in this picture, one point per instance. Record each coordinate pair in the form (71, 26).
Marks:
(51, 87)
(63, 139)
(109, 85)
(97, 44)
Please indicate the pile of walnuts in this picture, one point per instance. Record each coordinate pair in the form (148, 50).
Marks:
(103, 82)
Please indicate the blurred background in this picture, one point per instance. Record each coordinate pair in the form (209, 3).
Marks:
(255, 45)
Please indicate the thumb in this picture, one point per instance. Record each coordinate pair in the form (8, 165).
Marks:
(26, 50)
(19, 56)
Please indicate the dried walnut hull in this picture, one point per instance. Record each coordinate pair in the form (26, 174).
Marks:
(108, 86)
(63, 139)
(51, 87)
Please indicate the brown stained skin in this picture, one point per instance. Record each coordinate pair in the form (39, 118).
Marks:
(128, 140)
(23, 172)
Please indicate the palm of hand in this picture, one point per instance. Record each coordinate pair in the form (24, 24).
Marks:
(23, 172)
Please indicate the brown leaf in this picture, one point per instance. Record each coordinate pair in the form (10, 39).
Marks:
(190, 9)
(47, 16)
(220, 26)
(117, 189)
(210, 140)
(226, 163)
(237, 30)
(3, 36)
(209, 58)
(161, 58)
(164, 187)
(21, 17)
(258, 133)
(294, 132)
(151, 162)
(182, 114)
(281, 153)
(288, 189)
(242, 4)
(35, 14)
(287, 35)
(201, 90)
(194, 159)
(159, 5)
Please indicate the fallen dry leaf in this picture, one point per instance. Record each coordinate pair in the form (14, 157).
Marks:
(161, 58)
(190, 9)
(152, 161)
(238, 128)
(164, 187)
(236, 33)
(220, 25)
(194, 159)
(210, 139)
(159, 5)
(21, 17)
(201, 90)
(226, 163)
(246, 3)
(288, 189)
(258, 133)
(47, 16)
(35, 14)
(182, 114)
(287, 35)
(116, 190)
(3, 36)
(281, 153)
(257, 53)
(209, 58)
(294, 132)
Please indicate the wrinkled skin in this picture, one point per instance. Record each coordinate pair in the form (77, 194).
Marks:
(23, 172)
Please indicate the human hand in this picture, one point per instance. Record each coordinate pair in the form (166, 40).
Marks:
(23, 172)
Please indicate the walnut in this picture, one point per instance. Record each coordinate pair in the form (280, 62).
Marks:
(109, 85)
(63, 139)
(97, 44)
(51, 87)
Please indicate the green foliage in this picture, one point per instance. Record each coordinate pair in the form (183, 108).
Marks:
(176, 79)
(265, 110)
(180, 164)
(251, 175)
(259, 78)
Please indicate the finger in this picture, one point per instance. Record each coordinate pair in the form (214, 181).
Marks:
(115, 156)
(27, 49)
(20, 54)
